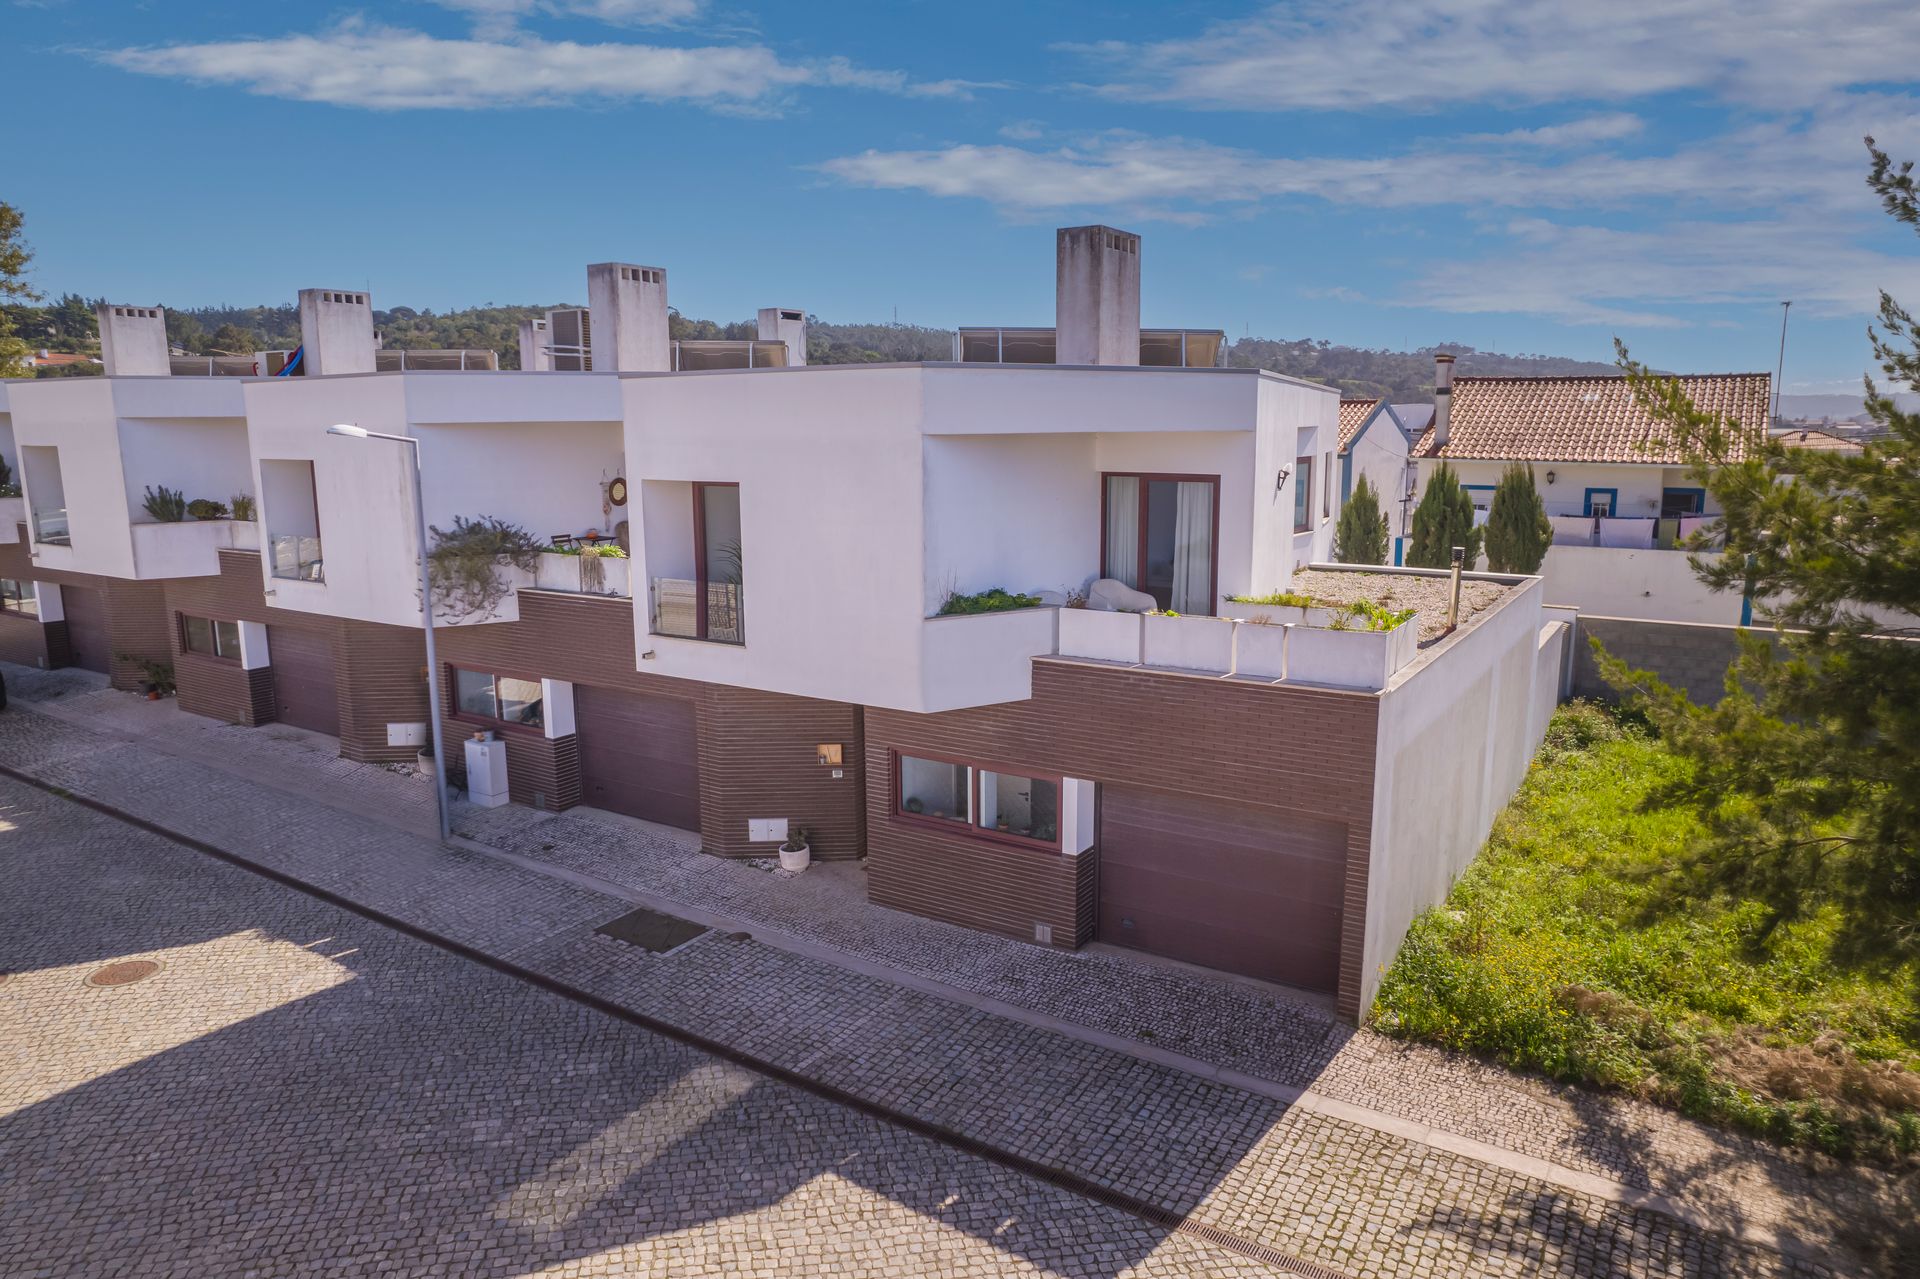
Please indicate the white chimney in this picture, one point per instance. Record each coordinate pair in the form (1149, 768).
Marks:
(133, 340)
(1096, 296)
(534, 355)
(786, 324)
(628, 305)
(336, 332)
(1442, 399)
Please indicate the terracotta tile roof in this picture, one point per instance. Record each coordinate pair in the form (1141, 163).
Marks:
(1584, 419)
(1819, 442)
(1353, 415)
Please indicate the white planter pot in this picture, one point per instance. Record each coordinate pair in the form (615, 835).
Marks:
(1187, 643)
(1106, 637)
(1260, 650)
(423, 763)
(796, 859)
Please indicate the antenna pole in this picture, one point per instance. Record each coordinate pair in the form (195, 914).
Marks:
(1780, 372)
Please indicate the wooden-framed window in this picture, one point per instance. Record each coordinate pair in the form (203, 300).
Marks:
(498, 699)
(985, 801)
(1302, 494)
(18, 597)
(718, 567)
(210, 638)
(1161, 534)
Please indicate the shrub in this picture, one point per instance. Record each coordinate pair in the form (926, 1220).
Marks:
(242, 504)
(1442, 521)
(1518, 530)
(169, 506)
(1378, 617)
(202, 508)
(1361, 535)
(992, 600)
(464, 563)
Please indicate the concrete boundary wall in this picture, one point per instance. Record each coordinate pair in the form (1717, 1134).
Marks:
(1692, 656)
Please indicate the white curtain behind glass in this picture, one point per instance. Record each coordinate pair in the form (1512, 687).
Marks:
(1193, 548)
(1123, 528)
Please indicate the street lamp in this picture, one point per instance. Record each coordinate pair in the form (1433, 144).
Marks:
(426, 614)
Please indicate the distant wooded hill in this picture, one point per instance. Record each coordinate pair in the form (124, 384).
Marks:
(67, 325)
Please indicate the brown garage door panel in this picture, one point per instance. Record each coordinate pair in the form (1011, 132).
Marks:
(306, 691)
(1252, 890)
(639, 755)
(87, 627)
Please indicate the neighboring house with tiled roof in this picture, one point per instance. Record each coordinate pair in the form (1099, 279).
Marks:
(1815, 441)
(1618, 492)
(1594, 448)
(1375, 441)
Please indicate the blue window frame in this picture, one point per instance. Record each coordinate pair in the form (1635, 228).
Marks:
(1611, 502)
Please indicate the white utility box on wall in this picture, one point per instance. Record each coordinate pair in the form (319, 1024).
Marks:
(487, 772)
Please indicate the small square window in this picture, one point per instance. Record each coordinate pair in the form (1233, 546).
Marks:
(519, 700)
(1025, 806)
(934, 788)
(226, 639)
(473, 693)
(198, 633)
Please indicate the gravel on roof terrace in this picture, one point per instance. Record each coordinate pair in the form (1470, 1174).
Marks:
(1427, 595)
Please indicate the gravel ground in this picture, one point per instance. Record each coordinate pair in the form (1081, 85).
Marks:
(1401, 590)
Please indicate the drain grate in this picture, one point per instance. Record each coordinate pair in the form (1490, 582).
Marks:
(650, 929)
(124, 973)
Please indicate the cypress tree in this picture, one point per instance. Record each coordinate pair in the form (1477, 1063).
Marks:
(1518, 530)
(1361, 535)
(1442, 521)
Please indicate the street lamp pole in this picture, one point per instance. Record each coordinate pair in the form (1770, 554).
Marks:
(426, 617)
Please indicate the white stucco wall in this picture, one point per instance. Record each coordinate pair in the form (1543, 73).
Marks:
(201, 457)
(1614, 582)
(1379, 453)
(1016, 511)
(1457, 730)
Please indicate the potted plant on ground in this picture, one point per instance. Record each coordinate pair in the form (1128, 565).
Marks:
(795, 855)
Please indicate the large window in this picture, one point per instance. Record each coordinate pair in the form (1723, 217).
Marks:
(210, 638)
(979, 800)
(709, 603)
(18, 597)
(1326, 487)
(1159, 537)
(1302, 494)
(500, 698)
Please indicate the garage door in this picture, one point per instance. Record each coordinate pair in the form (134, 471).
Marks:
(1249, 890)
(304, 688)
(87, 627)
(638, 755)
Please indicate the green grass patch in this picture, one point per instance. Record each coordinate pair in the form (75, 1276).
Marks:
(994, 600)
(1560, 951)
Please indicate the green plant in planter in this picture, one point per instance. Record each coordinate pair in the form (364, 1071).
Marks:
(1378, 617)
(1276, 599)
(464, 564)
(242, 504)
(993, 600)
(202, 508)
(604, 551)
(169, 506)
(159, 675)
(795, 841)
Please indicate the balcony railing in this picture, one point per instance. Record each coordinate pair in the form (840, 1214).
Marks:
(297, 557)
(677, 611)
(1626, 533)
(51, 527)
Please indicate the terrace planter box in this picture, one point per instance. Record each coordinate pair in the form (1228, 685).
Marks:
(1350, 659)
(1279, 614)
(1260, 650)
(566, 573)
(1106, 637)
(1187, 643)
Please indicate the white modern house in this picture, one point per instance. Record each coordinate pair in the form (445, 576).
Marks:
(1376, 441)
(794, 625)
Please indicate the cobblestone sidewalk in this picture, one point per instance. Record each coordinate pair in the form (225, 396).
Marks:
(1194, 1144)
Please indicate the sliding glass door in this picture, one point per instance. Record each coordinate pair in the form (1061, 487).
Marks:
(1159, 537)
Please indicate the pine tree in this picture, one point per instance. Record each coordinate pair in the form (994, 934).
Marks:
(1442, 521)
(14, 256)
(1518, 530)
(1806, 774)
(1361, 535)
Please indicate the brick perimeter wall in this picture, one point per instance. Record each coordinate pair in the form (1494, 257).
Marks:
(1688, 655)
(756, 750)
(1309, 751)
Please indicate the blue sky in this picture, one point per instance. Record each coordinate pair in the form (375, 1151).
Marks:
(1521, 175)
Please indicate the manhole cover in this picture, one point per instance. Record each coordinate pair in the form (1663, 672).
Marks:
(651, 930)
(124, 973)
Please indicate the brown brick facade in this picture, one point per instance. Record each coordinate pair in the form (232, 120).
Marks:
(137, 620)
(1302, 750)
(757, 755)
(27, 641)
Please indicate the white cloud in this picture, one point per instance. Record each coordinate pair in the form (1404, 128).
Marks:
(1611, 127)
(496, 14)
(385, 68)
(1429, 54)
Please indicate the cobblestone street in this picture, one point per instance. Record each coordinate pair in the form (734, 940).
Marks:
(299, 1088)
